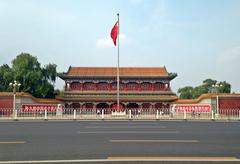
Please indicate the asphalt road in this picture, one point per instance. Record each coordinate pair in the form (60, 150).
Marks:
(119, 140)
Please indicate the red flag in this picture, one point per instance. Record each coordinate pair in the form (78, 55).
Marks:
(114, 33)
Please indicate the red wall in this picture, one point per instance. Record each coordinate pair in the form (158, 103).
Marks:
(6, 102)
(233, 103)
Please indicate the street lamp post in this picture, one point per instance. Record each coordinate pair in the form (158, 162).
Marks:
(14, 85)
(215, 88)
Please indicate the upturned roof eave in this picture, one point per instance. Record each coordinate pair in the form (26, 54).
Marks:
(63, 77)
(143, 99)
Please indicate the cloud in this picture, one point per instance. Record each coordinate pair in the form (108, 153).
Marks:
(104, 43)
(107, 42)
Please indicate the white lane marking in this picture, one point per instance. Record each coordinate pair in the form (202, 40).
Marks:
(12, 142)
(119, 159)
(154, 141)
(123, 123)
(54, 161)
(128, 132)
(189, 158)
(127, 126)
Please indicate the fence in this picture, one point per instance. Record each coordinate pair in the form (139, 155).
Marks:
(136, 114)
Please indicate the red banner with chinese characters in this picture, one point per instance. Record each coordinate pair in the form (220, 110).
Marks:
(198, 108)
(40, 108)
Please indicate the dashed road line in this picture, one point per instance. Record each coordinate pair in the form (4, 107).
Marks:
(154, 141)
(128, 132)
(12, 142)
(127, 127)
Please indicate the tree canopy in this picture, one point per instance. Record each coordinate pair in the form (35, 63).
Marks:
(208, 86)
(27, 70)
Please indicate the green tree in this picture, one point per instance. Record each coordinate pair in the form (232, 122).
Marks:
(209, 82)
(197, 91)
(208, 86)
(213, 86)
(35, 80)
(6, 76)
(186, 92)
(224, 87)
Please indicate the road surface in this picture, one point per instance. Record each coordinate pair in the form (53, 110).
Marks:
(119, 140)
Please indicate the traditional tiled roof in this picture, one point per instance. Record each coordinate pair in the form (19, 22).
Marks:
(206, 96)
(122, 98)
(107, 92)
(37, 100)
(112, 71)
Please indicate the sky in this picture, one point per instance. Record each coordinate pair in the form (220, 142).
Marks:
(195, 39)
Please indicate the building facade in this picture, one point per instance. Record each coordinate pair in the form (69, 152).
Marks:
(25, 102)
(90, 89)
(218, 103)
(96, 87)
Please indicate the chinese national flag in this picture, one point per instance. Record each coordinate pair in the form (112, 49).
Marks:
(114, 33)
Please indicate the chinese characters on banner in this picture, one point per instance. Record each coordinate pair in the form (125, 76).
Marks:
(199, 108)
(40, 108)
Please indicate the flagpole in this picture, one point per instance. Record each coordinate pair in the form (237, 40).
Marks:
(118, 87)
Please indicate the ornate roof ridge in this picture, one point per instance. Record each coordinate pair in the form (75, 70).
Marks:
(206, 95)
(25, 94)
(112, 71)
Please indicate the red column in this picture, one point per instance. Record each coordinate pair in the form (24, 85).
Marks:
(110, 86)
(95, 86)
(126, 86)
(81, 86)
(78, 86)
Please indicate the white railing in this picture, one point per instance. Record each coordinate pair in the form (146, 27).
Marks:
(136, 114)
